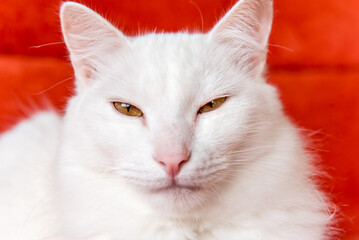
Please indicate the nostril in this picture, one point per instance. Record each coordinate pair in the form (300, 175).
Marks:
(161, 162)
(181, 163)
(185, 159)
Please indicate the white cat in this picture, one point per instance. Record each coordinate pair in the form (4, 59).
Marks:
(169, 136)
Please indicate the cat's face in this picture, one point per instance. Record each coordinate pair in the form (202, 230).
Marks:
(177, 148)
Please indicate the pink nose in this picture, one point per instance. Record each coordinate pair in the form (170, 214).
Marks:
(172, 163)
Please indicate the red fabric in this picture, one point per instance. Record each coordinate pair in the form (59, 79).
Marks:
(313, 59)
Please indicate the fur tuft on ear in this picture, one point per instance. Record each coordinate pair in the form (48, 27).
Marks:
(88, 37)
(245, 30)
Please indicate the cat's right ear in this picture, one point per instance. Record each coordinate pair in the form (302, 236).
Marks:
(244, 31)
(89, 39)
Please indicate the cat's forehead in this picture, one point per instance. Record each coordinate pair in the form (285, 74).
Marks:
(170, 56)
(184, 44)
(161, 64)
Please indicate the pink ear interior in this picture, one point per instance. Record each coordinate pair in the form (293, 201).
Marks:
(248, 17)
(244, 33)
(88, 37)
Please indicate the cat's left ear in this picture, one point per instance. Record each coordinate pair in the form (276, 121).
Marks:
(90, 40)
(244, 31)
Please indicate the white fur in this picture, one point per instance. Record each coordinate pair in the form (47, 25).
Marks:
(249, 172)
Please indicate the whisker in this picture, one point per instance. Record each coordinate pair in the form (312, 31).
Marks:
(199, 11)
(282, 47)
(51, 87)
(45, 45)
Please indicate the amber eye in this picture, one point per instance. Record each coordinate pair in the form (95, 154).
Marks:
(212, 105)
(128, 109)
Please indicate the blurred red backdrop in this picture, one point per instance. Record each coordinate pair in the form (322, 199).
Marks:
(313, 59)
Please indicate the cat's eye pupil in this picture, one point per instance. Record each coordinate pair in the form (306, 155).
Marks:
(126, 105)
(211, 104)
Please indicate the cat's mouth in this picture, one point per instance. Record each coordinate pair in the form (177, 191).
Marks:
(176, 197)
(175, 187)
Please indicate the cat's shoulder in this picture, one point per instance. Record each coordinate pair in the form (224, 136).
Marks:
(34, 126)
(31, 136)
(27, 152)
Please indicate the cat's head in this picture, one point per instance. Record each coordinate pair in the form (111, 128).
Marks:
(176, 116)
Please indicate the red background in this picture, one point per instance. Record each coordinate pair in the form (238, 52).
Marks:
(313, 59)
